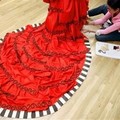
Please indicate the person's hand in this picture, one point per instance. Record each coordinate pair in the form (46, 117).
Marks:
(91, 23)
(97, 32)
(88, 31)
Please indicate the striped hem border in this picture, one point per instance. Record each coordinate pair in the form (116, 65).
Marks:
(52, 109)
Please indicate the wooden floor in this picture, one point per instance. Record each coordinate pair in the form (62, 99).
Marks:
(99, 96)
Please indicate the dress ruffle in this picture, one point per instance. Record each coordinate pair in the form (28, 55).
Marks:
(40, 64)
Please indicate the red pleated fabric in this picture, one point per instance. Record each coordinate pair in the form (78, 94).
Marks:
(40, 64)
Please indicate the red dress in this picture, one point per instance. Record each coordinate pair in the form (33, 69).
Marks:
(40, 64)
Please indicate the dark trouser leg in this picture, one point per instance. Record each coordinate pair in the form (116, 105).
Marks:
(96, 11)
(114, 36)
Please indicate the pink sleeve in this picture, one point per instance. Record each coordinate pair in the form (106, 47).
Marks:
(112, 28)
(102, 20)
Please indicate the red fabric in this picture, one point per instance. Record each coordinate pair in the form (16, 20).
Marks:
(39, 65)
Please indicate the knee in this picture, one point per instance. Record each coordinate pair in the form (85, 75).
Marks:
(104, 6)
(104, 9)
(98, 38)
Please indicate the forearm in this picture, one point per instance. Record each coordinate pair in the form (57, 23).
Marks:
(99, 22)
(110, 29)
(102, 20)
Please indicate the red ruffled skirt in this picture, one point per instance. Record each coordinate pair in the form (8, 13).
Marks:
(37, 68)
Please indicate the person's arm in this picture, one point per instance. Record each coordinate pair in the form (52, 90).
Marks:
(112, 28)
(102, 20)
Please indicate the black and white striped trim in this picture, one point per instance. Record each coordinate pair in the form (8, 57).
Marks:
(61, 101)
(1, 40)
(23, 28)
